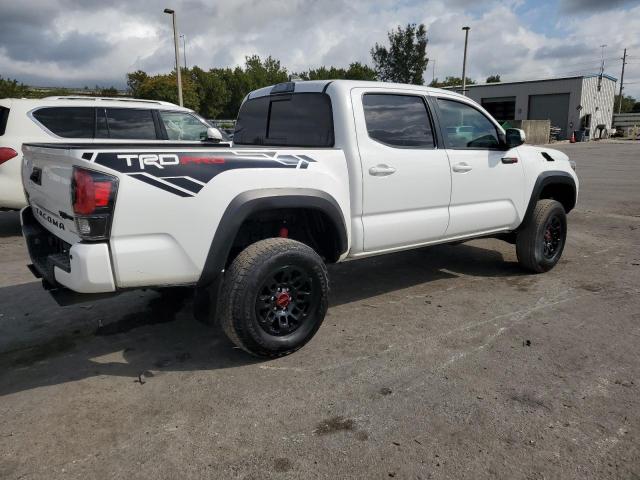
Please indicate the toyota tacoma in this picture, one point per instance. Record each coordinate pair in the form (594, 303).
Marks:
(319, 172)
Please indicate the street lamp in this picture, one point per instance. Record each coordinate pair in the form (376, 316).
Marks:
(175, 43)
(464, 60)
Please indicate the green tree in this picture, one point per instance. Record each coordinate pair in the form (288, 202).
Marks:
(12, 89)
(493, 78)
(164, 87)
(628, 104)
(211, 89)
(360, 71)
(356, 71)
(135, 81)
(405, 60)
(109, 92)
(450, 82)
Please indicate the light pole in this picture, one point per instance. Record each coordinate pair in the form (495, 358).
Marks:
(464, 60)
(175, 43)
(184, 49)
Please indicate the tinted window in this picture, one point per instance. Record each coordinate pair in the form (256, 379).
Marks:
(398, 120)
(128, 123)
(466, 127)
(4, 116)
(300, 119)
(182, 126)
(68, 122)
(102, 130)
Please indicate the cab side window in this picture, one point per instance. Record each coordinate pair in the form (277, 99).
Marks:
(182, 126)
(464, 127)
(399, 121)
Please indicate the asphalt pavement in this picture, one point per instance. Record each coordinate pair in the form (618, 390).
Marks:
(443, 362)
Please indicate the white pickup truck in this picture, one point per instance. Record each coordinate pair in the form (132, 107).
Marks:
(320, 172)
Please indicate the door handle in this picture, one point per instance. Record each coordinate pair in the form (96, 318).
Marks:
(381, 170)
(462, 167)
(509, 160)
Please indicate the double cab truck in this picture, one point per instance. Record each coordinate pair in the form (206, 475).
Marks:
(319, 172)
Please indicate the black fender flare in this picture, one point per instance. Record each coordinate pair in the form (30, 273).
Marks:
(252, 201)
(544, 179)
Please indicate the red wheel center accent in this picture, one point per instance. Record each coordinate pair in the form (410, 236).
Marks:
(283, 300)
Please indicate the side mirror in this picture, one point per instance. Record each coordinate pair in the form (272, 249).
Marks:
(514, 137)
(213, 135)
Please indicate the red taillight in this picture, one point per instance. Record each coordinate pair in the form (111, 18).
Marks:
(91, 191)
(93, 195)
(7, 153)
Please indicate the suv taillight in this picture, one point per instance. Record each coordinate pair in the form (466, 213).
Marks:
(7, 153)
(93, 195)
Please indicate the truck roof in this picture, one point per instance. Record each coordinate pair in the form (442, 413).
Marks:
(307, 86)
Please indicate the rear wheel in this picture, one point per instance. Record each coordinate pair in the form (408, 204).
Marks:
(274, 297)
(540, 243)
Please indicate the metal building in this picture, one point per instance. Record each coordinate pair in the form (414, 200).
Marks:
(583, 104)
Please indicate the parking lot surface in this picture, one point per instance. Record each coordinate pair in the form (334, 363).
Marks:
(443, 362)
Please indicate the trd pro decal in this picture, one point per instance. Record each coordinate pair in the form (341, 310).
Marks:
(185, 173)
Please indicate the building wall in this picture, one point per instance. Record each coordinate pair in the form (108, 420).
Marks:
(582, 92)
(598, 103)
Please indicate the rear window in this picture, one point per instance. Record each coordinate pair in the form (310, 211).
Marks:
(293, 120)
(67, 122)
(4, 116)
(132, 124)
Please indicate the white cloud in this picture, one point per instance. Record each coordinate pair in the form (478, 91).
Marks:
(310, 33)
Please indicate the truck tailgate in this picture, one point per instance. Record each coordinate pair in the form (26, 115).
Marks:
(46, 176)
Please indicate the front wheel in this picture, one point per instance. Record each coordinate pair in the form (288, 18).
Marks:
(540, 243)
(274, 297)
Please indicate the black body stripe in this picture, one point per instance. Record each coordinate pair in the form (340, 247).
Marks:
(156, 183)
(193, 169)
(186, 183)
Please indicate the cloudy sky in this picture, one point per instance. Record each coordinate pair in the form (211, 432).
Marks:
(77, 43)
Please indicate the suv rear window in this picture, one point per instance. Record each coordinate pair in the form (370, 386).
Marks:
(132, 124)
(68, 122)
(4, 116)
(292, 120)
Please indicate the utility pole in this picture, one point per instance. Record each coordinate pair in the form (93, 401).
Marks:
(624, 62)
(602, 47)
(177, 48)
(464, 60)
(434, 71)
(184, 49)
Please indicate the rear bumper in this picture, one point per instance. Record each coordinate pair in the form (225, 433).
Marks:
(82, 267)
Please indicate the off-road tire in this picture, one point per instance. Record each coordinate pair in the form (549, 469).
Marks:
(244, 283)
(530, 243)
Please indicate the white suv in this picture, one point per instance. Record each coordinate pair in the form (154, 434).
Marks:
(87, 120)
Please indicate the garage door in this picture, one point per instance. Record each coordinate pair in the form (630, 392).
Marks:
(554, 107)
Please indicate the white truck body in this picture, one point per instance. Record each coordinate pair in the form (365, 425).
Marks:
(178, 210)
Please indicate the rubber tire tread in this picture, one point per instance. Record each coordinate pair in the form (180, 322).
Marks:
(247, 265)
(528, 236)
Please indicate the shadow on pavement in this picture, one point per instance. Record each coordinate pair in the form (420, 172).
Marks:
(140, 332)
(10, 224)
